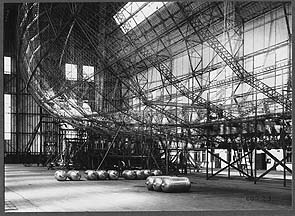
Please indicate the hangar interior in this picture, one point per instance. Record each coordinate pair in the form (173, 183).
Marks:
(201, 89)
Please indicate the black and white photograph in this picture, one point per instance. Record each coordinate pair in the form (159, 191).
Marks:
(116, 106)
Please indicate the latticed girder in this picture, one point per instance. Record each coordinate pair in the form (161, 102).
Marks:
(165, 71)
(118, 66)
(205, 34)
(32, 36)
(158, 63)
(147, 53)
(131, 85)
(134, 86)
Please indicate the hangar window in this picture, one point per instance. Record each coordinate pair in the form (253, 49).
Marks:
(7, 65)
(289, 155)
(88, 73)
(134, 13)
(203, 156)
(7, 117)
(71, 71)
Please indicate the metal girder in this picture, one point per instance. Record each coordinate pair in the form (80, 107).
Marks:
(110, 146)
(143, 121)
(206, 34)
(165, 71)
(128, 53)
(32, 138)
(50, 48)
(133, 86)
(230, 164)
(279, 162)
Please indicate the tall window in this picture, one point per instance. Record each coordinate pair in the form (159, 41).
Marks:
(7, 65)
(71, 72)
(289, 155)
(88, 72)
(203, 156)
(7, 117)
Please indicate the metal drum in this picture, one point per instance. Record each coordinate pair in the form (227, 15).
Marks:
(147, 173)
(140, 174)
(60, 175)
(129, 174)
(157, 184)
(91, 175)
(176, 184)
(102, 174)
(113, 174)
(156, 172)
(124, 173)
(74, 175)
(150, 181)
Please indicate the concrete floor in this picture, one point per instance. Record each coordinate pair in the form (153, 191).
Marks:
(34, 189)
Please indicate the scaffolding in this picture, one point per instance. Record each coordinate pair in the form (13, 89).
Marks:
(186, 79)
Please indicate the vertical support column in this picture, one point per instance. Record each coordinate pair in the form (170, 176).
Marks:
(293, 126)
(228, 159)
(17, 107)
(207, 162)
(255, 138)
(255, 173)
(186, 155)
(177, 153)
(41, 133)
(289, 85)
(1, 105)
(284, 156)
(207, 133)
(167, 156)
(16, 70)
(283, 143)
(99, 77)
(79, 79)
(212, 159)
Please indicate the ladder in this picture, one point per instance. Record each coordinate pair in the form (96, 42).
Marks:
(248, 162)
(245, 163)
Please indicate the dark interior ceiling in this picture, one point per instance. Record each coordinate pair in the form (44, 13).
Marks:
(10, 21)
(10, 18)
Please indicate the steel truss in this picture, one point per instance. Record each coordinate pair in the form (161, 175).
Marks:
(125, 58)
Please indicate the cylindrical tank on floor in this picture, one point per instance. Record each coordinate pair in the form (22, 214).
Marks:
(113, 174)
(156, 172)
(129, 174)
(90, 175)
(147, 173)
(124, 173)
(140, 174)
(157, 184)
(60, 175)
(176, 184)
(74, 175)
(102, 174)
(150, 181)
